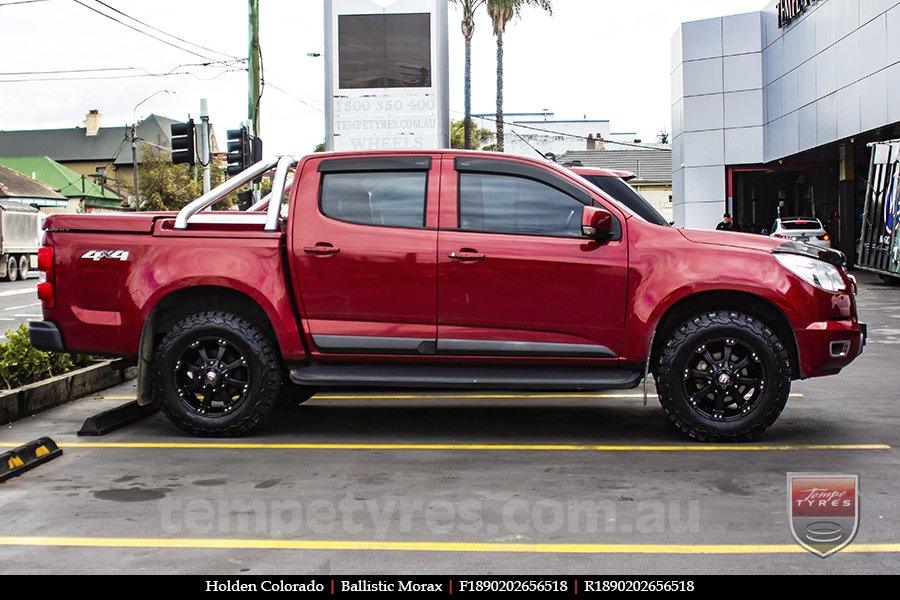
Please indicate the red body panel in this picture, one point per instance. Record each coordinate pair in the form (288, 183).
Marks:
(381, 281)
(666, 267)
(539, 289)
(101, 305)
(398, 284)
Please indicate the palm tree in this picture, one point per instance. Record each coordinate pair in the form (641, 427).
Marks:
(502, 12)
(468, 30)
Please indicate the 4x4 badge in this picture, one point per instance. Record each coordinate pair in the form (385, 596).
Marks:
(96, 255)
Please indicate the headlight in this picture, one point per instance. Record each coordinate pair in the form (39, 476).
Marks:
(818, 273)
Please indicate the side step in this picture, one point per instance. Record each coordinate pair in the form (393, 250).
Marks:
(466, 377)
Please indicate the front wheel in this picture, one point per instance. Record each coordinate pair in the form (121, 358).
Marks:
(723, 377)
(216, 374)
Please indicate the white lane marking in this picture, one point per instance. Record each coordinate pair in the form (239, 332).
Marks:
(21, 307)
(29, 316)
(6, 319)
(31, 290)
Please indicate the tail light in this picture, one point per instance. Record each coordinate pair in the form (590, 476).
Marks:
(46, 293)
(825, 237)
(781, 236)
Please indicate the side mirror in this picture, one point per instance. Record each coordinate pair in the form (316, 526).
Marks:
(596, 223)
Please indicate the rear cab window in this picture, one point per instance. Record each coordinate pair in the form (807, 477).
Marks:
(800, 225)
(389, 192)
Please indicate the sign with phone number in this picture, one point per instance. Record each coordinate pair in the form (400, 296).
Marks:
(386, 123)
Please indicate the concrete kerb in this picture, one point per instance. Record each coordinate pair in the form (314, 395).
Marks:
(33, 398)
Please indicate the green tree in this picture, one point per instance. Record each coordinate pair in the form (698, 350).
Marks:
(501, 13)
(165, 186)
(480, 137)
(469, 7)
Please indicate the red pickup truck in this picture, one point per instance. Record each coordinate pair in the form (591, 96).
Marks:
(442, 269)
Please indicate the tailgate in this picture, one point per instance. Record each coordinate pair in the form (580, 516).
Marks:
(107, 223)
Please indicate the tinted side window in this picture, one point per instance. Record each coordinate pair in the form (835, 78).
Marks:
(377, 198)
(507, 204)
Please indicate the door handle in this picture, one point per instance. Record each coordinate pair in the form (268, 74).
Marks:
(321, 250)
(466, 255)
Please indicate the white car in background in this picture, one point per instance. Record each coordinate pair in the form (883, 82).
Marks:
(802, 229)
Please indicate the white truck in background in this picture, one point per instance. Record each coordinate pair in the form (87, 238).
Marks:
(20, 238)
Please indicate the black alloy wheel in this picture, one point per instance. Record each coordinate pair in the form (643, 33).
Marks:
(216, 374)
(723, 376)
(724, 379)
(212, 377)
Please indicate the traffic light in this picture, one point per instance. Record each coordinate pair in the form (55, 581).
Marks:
(245, 200)
(240, 152)
(183, 148)
(256, 150)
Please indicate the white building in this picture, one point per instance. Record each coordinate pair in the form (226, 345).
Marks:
(772, 110)
(528, 133)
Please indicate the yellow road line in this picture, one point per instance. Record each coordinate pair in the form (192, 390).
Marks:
(464, 447)
(446, 396)
(263, 544)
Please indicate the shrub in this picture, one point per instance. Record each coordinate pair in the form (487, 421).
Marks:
(21, 363)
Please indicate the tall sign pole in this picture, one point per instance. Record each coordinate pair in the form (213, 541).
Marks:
(386, 75)
(134, 161)
(253, 66)
(205, 154)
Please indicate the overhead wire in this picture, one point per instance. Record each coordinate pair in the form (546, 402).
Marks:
(293, 97)
(112, 69)
(146, 33)
(180, 39)
(572, 135)
(21, 2)
(134, 76)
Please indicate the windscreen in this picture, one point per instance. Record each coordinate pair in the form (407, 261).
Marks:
(624, 193)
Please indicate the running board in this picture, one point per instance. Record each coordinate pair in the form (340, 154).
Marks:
(466, 377)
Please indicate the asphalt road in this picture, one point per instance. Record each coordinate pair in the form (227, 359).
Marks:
(462, 484)
(18, 304)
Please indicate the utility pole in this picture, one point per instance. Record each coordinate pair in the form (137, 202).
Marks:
(205, 154)
(134, 162)
(253, 68)
(134, 151)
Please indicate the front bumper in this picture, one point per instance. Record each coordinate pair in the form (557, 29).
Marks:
(826, 347)
(45, 335)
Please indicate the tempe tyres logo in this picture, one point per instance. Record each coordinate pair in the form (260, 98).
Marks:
(824, 510)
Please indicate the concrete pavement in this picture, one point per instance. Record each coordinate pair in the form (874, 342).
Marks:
(462, 483)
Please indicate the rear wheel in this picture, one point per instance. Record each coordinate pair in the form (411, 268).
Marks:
(723, 377)
(216, 374)
(12, 269)
(24, 266)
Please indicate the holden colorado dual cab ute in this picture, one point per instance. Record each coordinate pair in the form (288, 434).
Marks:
(441, 269)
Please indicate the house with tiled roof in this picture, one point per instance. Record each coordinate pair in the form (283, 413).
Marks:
(652, 167)
(82, 193)
(16, 187)
(101, 154)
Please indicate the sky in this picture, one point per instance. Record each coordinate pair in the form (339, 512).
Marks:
(594, 59)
